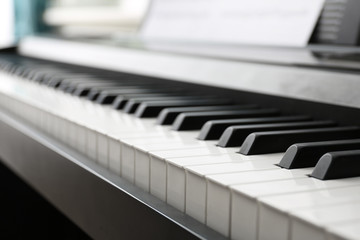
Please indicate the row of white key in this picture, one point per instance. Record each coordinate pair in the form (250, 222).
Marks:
(218, 187)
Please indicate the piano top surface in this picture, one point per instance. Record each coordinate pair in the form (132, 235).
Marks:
(285, 72)
(331, 57)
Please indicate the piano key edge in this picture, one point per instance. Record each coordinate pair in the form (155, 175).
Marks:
(98, 201)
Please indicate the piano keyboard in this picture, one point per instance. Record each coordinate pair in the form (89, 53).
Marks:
(246, 171)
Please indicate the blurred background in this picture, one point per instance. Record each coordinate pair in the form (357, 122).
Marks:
(339, 22)
(87, 18)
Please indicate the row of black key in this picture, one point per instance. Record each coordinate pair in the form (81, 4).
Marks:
(257, 131)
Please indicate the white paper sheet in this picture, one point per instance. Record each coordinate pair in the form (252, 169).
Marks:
(7, 37)
(259, 22)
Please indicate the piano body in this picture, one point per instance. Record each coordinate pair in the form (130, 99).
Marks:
(187, 142)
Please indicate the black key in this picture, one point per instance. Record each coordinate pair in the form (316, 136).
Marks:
(57, 82)
(54, 81)
(27, 73)
(61, 76)
(235, 135)
(68, 82)
(212, 130)
(132, 104)
(302, 155)
(168, 115)
(121, 100)
(5, 65)
(107, 97)
(83, 89)
(194, 121)
(30, 73)
(279, 141)
(19, 70)
(72, 87)
(152, 109)
(11, 69)
(39, 76)
(95, 92)
(336, 165)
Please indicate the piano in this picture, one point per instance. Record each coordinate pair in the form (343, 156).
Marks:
(146, 140)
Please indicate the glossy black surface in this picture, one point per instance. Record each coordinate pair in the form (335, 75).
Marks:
(337, 165)
(279, 141)
(213, 129)
(235, 135)
(152, 109)
(193, 121)
(168, 115)
(303, 155)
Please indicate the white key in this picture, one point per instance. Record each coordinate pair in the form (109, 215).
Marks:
(312, 223)
(277, 207)
(81, 139)
(245, 207)
(158, 165)
(219, 197)
(341, 231)
(180, 141)
(102, 150)
(142, 158)
(91, 144)
(128, 152)
(176, 174)
(105, 155)
(115, 156)
(196, 182)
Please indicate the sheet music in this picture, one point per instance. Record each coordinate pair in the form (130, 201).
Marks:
(259, 22)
